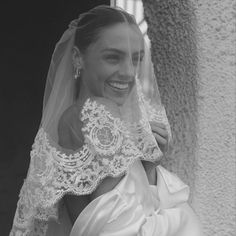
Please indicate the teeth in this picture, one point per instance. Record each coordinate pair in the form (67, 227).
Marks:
(119, 85)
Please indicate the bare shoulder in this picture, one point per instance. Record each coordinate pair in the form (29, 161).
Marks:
(70, 115)
(70, 128)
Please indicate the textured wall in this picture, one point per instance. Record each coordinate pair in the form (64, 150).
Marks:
(215, 195)
(195, 67)
(174, 53)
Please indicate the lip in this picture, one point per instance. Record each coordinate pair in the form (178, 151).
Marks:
(122, 83)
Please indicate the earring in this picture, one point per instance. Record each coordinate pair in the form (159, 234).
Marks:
(77, 72)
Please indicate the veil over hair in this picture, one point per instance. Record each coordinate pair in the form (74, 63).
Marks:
(112, 136)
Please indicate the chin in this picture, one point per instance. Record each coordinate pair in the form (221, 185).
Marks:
(116, 96)
(118, 101)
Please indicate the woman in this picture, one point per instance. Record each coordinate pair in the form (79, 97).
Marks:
(94, 164)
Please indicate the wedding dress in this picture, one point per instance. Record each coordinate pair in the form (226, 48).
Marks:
(135, 208)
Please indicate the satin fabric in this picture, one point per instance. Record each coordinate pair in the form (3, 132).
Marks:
(135, 208)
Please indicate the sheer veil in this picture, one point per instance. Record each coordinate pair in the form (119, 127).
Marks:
(113, 136)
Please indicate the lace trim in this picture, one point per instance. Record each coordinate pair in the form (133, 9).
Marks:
(153, 113)
(110, 147)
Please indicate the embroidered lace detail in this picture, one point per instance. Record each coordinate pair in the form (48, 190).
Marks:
(39, 228)
(153, 113)
(109, 148)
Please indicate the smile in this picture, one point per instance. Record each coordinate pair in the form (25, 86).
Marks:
(118, 85)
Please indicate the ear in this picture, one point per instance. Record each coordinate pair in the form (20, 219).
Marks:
(77, 59)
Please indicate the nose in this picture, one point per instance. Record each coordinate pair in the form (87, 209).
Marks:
(127, 69)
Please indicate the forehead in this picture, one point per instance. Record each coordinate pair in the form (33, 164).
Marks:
(124, 37)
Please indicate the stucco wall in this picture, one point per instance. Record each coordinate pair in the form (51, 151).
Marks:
(193, 44)
(215, 185)
(171, 29)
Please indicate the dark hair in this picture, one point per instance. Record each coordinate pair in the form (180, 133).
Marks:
(92, 22)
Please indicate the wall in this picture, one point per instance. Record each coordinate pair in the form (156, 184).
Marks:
(174, 53)
(215, 192)
(193, 46)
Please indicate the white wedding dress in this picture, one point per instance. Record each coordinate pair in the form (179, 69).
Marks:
(135, 208)
(132, 208)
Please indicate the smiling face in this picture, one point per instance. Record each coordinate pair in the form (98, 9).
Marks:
(110, 64)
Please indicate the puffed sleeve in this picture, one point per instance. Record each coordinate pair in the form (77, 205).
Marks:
(132, 208)
(174, 215)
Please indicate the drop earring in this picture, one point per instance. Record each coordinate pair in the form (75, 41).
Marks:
(77, 72)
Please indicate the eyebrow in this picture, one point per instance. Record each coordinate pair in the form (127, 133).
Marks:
(119, 51)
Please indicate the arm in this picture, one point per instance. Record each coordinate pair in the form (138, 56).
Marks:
(68, 138)
(150, 169)
(71, 137)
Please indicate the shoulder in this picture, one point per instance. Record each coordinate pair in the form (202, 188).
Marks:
(69, 115)
(69, 128)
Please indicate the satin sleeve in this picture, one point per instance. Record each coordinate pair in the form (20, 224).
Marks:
(174, 216)
(136, 208)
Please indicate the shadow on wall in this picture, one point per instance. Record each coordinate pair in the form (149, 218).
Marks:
(171, 29)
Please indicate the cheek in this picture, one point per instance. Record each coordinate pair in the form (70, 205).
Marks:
(101, 71)
(106, 71)
(96, 74)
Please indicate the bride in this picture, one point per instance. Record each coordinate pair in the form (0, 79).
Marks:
(94, 166)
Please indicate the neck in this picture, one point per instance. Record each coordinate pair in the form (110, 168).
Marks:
(84, 93)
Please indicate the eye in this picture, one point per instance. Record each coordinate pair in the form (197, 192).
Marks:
(137, 59)
(112, 58)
